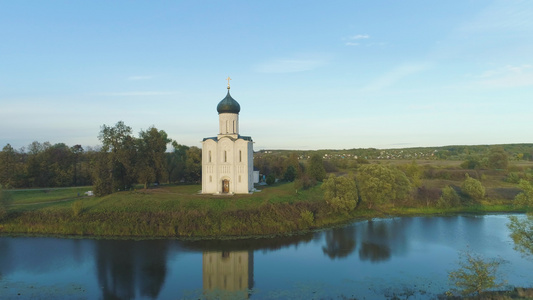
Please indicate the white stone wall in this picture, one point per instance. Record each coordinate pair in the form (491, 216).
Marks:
(228, 123)
(227, 159)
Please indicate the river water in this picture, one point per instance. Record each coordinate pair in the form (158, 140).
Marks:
(377, 259)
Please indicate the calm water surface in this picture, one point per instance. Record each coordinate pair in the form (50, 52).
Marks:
(367, 260)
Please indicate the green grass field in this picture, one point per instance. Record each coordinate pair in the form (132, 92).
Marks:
(180, 211)
(30, 196)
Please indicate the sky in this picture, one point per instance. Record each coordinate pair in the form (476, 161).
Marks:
(307, 74)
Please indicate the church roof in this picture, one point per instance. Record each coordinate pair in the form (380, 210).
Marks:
(214, 138)
(228, 105)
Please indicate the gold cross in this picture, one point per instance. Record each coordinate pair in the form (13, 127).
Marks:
(228, 81)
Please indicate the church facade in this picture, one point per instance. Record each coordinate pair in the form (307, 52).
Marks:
(227, 159)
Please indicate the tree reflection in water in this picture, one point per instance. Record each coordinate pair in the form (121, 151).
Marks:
(376, 240)
(123, 266)
(340, 242)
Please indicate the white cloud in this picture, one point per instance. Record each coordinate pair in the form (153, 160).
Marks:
(140, 77)
(351, 39)
(359, 37)
(291, 65)
(395, 75)
(147, 93)
(508, 76)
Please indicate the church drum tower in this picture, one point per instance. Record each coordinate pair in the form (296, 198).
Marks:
(227, 159)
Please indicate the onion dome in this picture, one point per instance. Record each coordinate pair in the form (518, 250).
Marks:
(228, 105)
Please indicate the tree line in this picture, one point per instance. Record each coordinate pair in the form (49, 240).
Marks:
(120, 162)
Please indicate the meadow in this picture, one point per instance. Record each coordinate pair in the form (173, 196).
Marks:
(180, 211)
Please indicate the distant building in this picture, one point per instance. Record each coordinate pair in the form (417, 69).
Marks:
(227, 159)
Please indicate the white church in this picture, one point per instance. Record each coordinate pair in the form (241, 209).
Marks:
(228, 158)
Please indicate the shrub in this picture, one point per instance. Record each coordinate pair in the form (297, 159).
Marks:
(315, 168)
(4, 200)
(304, 182)
(306, 218)
(270, 179)
(526, 197)
(473, 188)
(77, 208)
(379, 184)
(340, 193)
(475, 274)
(449, 198)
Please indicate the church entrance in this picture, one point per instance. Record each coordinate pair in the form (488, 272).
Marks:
(225, 186)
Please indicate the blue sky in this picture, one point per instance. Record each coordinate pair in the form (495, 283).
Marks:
(307, 74)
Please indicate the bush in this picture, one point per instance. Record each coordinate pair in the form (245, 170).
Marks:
(4, 201)
(77, 208)
(449, 198)
(270, 179)
(526, 197)
(473, 188)
(304, 182)
(290, 174)
(315, 168)
(306, 218)
(340, 193)
(475, 274)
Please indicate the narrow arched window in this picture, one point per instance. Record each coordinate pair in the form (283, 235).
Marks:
(209, 155)
(234, 127)
(225, 156)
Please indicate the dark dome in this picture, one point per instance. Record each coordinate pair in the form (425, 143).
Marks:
(228, 105)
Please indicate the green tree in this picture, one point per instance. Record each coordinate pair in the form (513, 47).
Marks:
(102, 174)
(4, 202)
(522, 234)
(151, 161)
(8, 164)
(77, 151)
(498, 158)
(379, 184)
(414, 173)
(476, 274)
(449, 198)
(304, 182)
(175, 165)
(315, 168)
(290, 174)
(340, 192)
(472, 162)
(525, 198)
(122, 149)
(473, 188)
(193, 164)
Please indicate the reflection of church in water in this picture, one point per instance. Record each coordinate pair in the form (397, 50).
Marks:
(228, 272)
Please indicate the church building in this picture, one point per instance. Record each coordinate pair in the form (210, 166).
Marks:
(227, 159)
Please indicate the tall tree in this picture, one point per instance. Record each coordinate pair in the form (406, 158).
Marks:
(315, 168)
(77, 151)
(152, 145)
(473, 188)
(193, 165)
(379, 184)
(175, 165)
(121, 146)
(340, 192)
(498, 158)
(8, 164)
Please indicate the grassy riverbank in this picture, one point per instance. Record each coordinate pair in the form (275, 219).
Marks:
(179, 211)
